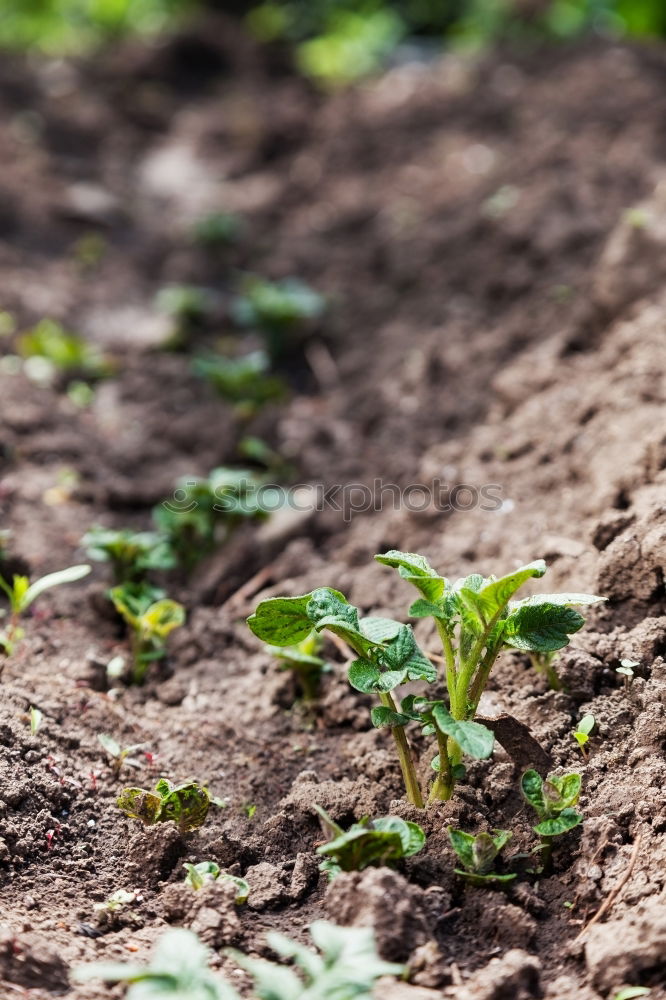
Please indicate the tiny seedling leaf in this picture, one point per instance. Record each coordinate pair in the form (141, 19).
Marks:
(69, 575)
(567, 820)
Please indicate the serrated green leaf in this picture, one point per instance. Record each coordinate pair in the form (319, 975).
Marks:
(363, 675)
(424, 609)
(494, 595)
(531, 785)
(472, 738)
(415, 569)
(402, 652)
(564, 600)
(379, 630)
(541, 628)
(282, 621)
(567, 820)
(328, 603)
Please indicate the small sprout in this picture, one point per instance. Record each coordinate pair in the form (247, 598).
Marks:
(553, 800)
(631, 992)
(186, 805)
(116, 901)
(249, 810)
(49, 349)
(478, 853)
(347, 966)
(119, 756)
(218, 229)
(370, 842)
(186, 303)
(131, 554)
(22, 593)
(626, 669)
(36, 719)
(245, 381)
(281, 310)
(304, 663)
(581, 733)
(208, 871)
(80, 393)
(150, 622)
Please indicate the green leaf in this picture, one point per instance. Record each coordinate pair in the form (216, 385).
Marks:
(567, 820)
(472, 738)
(282, 621)
(69, 575)
(482, 881)
(424, 609)
(380, 630)
(541, 628)
(161, 618)
(586, 725)
(140, 804)
(494, 595)
(631, 992)
(328, 603)
(402, 652)
(562, 791)
(363, 675)
(531, 785)
(416, 570)
(463, 844)
(563, 600)
(411, 835)
(198, 875)
(386, 718)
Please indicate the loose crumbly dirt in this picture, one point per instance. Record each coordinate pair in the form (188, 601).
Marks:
(492, 239)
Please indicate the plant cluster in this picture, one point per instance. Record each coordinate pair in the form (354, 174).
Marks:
(476, 618)
(553, 800)
(50, 350)
(186, 804)
(130, 554)
(346, 965)
(245, 381)
(381, 841)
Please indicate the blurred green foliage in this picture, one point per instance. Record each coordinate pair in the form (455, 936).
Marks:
(336, 40)
(56, 26)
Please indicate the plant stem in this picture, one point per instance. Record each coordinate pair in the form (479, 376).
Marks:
(547, 853)
(412, 786)
(442, 788)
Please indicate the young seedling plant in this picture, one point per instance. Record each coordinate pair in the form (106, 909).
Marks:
(186, 805)
(553, 800)
(581, 733)
(346, 966)
(150, 618)
(476, 619)
(208, 871)
(279, 309)
(21, 594)
(477, 854)
(380, 841)
(118, 755)
(131, 554)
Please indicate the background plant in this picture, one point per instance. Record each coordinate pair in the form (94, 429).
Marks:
(477, 853)
(209, 871)
(150, 622)
(281, 310)
(381, 841)
(553, 800)
(131, 554)
(118, 755)
(581, 733)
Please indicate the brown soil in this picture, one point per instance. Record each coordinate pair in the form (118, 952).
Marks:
(514, 339)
